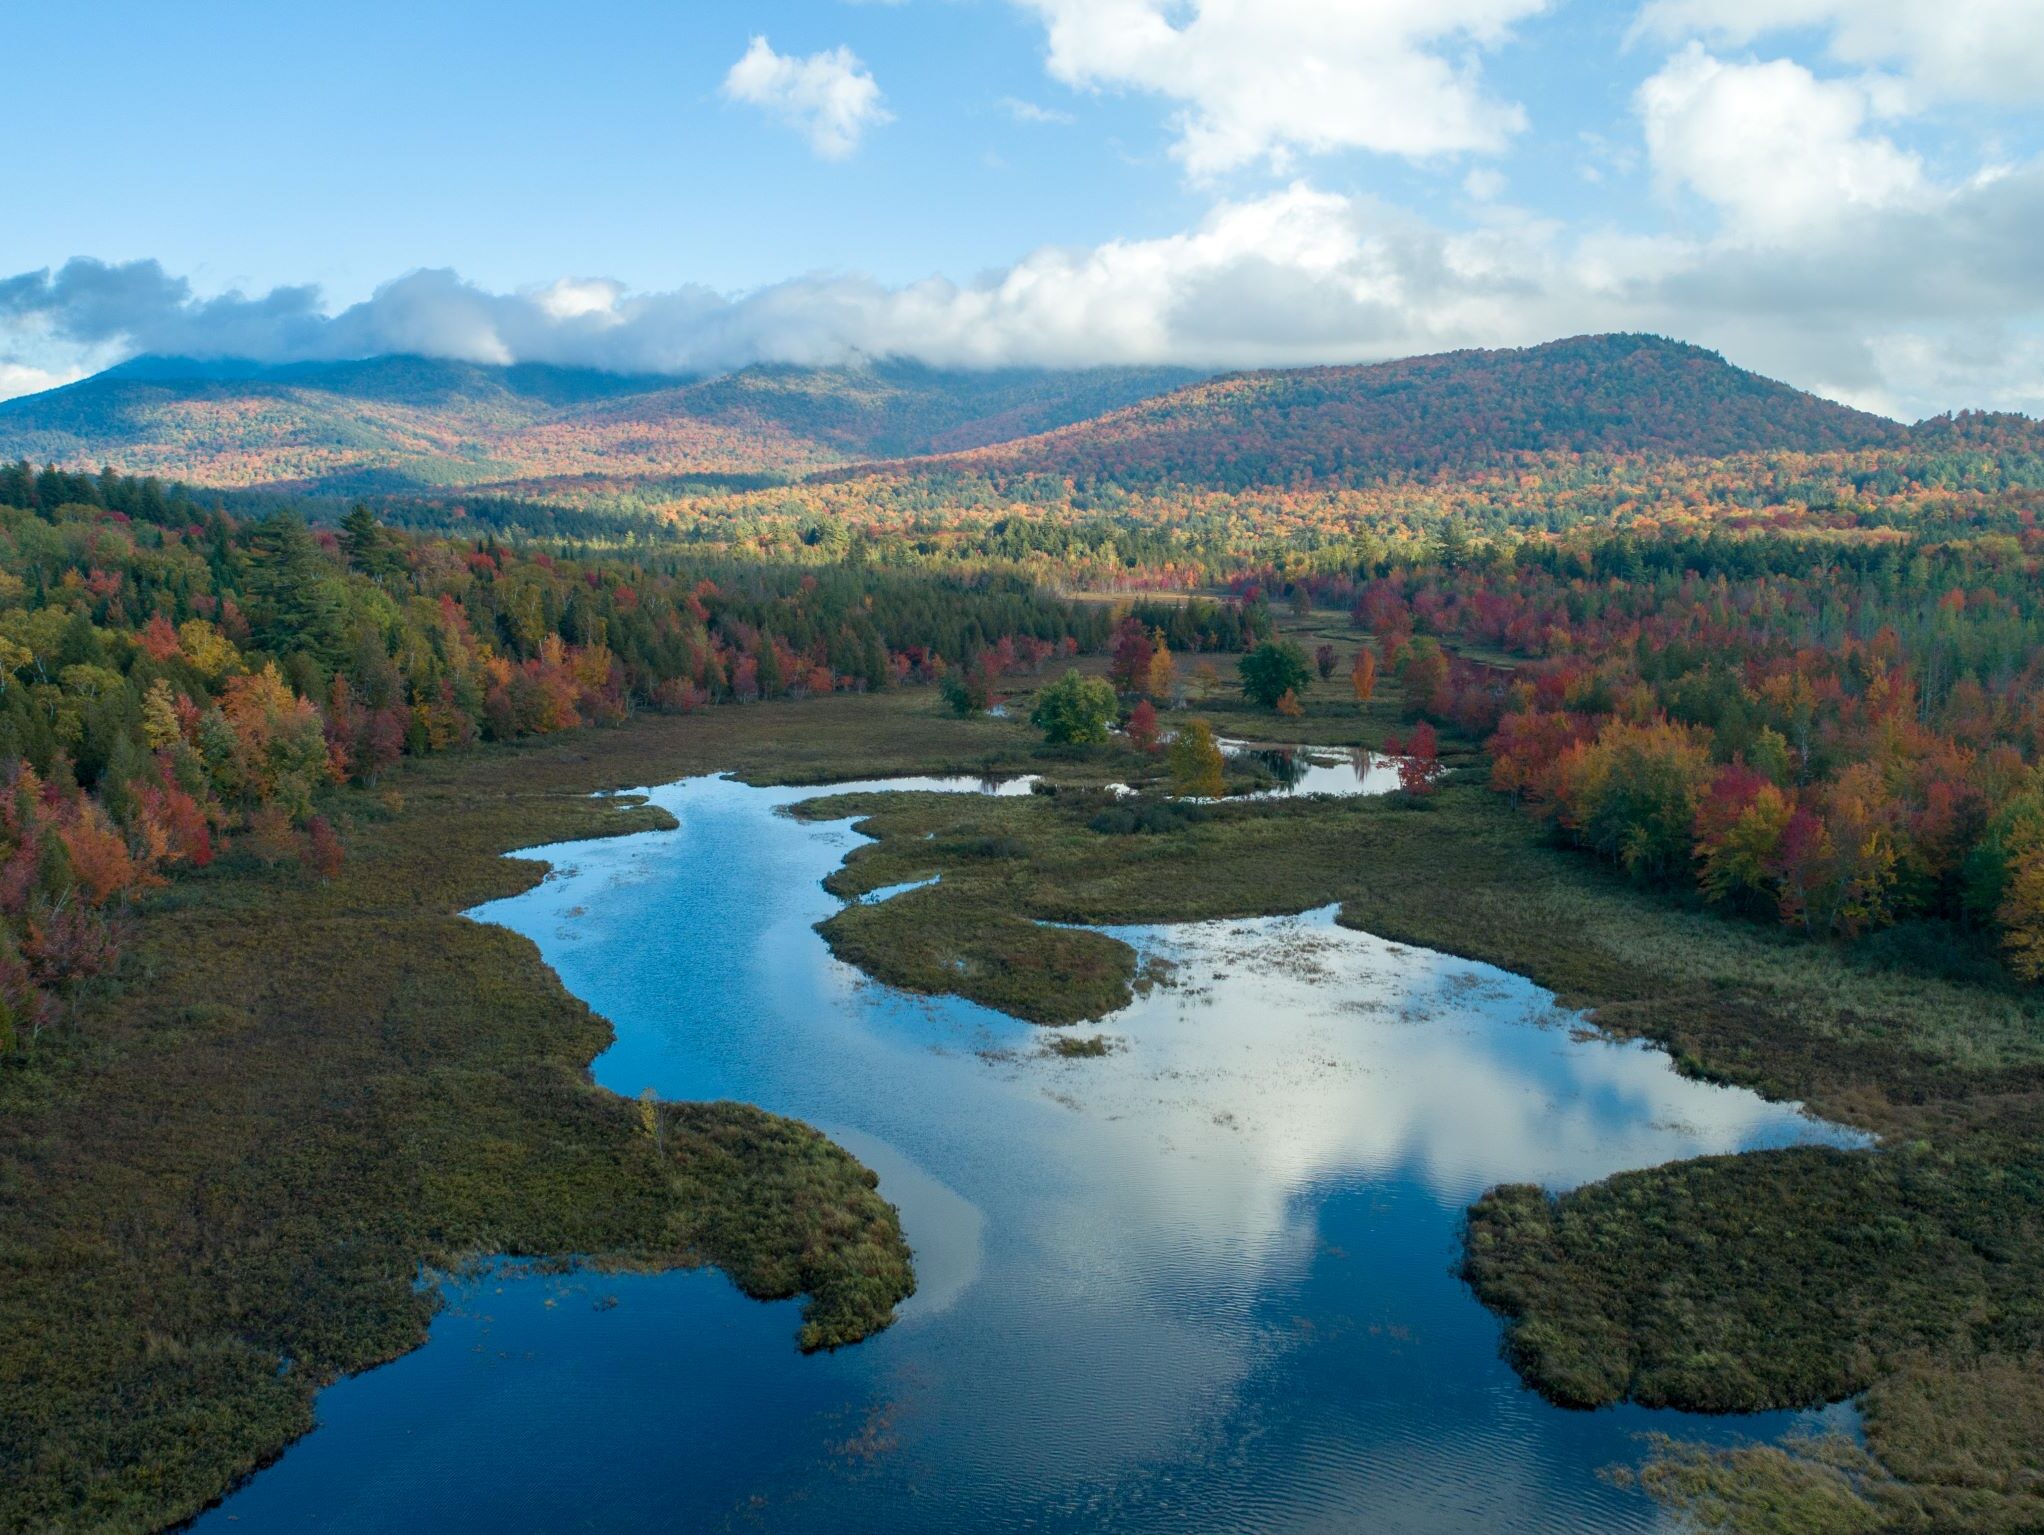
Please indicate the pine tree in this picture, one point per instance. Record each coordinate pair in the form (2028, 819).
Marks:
(295, 603)
(369, 549)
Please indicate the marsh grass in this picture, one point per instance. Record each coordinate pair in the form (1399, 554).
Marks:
(934, 942)
(1771, 1279)
(220, 1186)
(1736, 1001)
(306, 1094)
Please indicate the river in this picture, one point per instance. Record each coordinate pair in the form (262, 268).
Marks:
(1204, 1282)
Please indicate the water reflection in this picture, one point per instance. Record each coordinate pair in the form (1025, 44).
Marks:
(1202, 1282)
(1339, 770)
(1289, 1047)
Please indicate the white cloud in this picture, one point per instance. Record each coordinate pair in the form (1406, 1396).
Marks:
(1029, 112)
(1781, 153)
(18, 379)
(1915, 307)
(573, 298)
(1484, 184)
(1983, 50)
(1266, 79)
(829, 96)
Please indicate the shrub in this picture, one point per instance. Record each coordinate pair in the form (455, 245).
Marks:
(1273, 669)
(1074, 710)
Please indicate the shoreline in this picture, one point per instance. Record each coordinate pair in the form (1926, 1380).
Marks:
(231, 1045)
(620, 928)
(381, 1085)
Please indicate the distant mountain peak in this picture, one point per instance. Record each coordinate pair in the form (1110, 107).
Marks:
(1348, 424)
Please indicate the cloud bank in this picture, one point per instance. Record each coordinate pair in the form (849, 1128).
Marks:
(1917, 299)
(1950, 50)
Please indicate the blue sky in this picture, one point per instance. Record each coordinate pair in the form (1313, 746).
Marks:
(1852, 200)
(520, 142)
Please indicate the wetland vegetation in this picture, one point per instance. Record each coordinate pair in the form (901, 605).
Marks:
(207, 1217)
(1762, 1280)
(1735, 749)
(1912, 1268)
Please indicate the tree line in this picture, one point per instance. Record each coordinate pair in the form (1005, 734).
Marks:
(177, 682)
(1841, 736)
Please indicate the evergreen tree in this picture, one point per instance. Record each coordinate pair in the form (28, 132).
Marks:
(368, 548)
(295, 602)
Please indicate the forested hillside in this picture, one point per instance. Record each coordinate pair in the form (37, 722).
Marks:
(399, 425)
(1459, 411)
(414, 428)
(174, 681)
(1969, 473)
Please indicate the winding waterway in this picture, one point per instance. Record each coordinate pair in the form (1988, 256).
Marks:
(1202, 1283)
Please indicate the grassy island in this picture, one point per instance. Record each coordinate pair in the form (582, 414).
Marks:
(1909, 1273)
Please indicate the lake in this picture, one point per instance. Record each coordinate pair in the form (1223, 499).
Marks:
(1204, 1282)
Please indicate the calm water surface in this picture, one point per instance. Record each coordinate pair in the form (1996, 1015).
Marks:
(1341, 770)
(1204, 1283)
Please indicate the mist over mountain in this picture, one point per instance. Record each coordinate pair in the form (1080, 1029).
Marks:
(399, 423)
(404, 425)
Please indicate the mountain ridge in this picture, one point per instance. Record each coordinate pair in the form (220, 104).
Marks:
(1364, 423)
(401, 425)
(388, 424)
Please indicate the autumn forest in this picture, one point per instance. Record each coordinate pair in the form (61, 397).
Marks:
(1668, 657)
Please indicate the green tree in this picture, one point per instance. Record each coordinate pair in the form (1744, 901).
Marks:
(295, 598)
(1636, 797)
(1074, 710)
(1273, 669)
(1451, 545)
(1195, 762)
(369, 549)
(967, 690)
(771, 682)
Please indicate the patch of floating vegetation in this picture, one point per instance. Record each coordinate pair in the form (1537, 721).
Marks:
(1079, 1047)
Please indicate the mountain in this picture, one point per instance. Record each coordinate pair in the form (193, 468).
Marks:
(398, 424)
(1455, 412)
(419, 426)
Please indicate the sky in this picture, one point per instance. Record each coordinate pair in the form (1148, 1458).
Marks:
(1846, 194)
